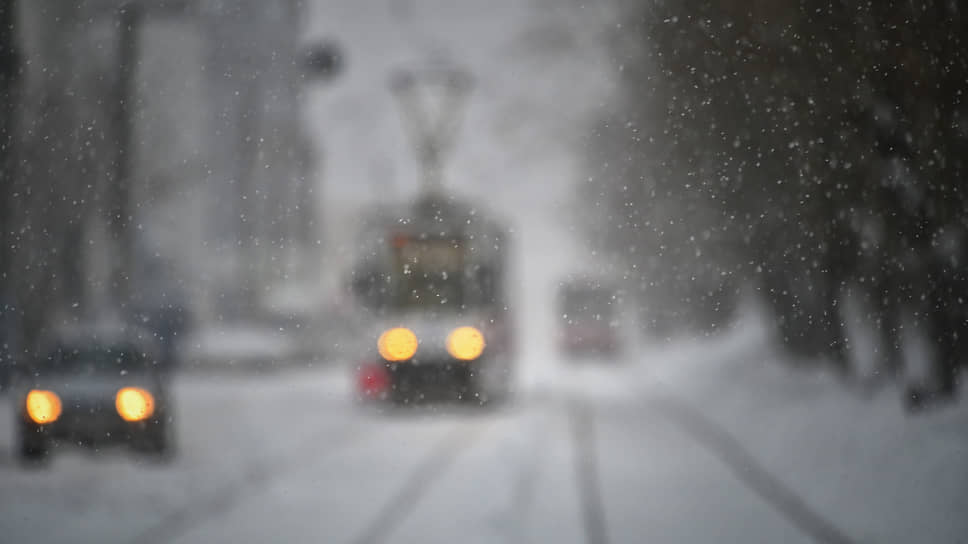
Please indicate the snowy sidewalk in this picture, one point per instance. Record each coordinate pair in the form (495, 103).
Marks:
(879, 474)
(250, 347)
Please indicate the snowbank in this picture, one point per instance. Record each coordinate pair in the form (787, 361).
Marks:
(880, 474)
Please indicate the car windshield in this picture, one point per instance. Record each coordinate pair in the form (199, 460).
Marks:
(96, 359)
(484, 271)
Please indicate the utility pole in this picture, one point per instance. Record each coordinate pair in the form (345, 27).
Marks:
(9, 98)
(9, 91)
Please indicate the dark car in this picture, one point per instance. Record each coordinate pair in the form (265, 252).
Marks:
(96, 387)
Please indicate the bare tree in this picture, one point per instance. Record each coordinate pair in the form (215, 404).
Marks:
(803, 147)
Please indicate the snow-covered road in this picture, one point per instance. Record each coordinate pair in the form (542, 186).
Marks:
(291, 461)
(620, 453)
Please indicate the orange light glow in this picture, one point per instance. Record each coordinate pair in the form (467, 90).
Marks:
(134, 404)
(43, 406)
(465, 343)
(397, 344)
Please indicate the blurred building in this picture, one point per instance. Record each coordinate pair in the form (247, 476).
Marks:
(219, 180)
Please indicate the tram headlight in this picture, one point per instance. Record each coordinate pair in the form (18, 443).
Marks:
(43, 406)
(397, 344)
(465, 343)
(134, 404)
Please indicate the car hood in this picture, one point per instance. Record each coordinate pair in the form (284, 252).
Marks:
(74, 388)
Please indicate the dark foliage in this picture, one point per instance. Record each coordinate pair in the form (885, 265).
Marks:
(806, 148)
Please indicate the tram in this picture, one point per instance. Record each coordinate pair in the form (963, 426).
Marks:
(432, 281)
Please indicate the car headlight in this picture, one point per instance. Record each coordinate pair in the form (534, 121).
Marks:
(397, 344)
(465, 343)
(43, 406)
(134, 404)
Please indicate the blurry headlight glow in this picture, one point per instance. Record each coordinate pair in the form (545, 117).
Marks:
(397, 344)
(465, 343)
(134, 404)
(43, 406)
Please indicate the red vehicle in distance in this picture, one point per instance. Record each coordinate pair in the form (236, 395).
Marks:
(588, 318)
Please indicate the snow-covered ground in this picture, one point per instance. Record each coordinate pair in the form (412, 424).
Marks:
(290, 456)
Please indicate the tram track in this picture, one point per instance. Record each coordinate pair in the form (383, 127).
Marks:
(581, 418)
(714, 439)
(403, 502)
(747, 469)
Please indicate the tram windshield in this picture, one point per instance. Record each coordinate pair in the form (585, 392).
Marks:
(429, 274)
